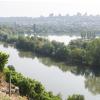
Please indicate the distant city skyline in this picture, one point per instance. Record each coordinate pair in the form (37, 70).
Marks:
(36, 8)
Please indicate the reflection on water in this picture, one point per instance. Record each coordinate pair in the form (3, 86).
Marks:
(92, 82)
(56, 76)
(24, 54)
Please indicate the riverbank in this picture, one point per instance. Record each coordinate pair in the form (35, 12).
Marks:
(4, 96)
(79, 52)
(30, 88)
(4, 90)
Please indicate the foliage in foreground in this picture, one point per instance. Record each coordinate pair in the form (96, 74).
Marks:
(27, 87)
(4, 96)
(30, 88)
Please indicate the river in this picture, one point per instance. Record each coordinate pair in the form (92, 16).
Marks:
(64, 38)
(55, 76)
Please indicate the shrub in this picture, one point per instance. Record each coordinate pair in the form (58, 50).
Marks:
(3, 60)
(76, 97)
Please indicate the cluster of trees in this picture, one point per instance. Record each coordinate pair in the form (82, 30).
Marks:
(87, 51)
(3, 37)
(88, 35)
(52, 25)
(30, 88)
(78, 52)
(44, 47)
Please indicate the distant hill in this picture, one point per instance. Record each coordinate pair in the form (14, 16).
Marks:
(56, 25)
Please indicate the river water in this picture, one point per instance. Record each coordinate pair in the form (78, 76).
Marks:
(55, 76)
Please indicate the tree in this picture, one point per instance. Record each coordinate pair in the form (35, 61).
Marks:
(78, 56)
(3, 60)
(93, 53)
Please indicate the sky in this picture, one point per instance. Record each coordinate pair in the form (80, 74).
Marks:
(36, 8)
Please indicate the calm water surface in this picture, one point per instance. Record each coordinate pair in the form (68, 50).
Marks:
(56, 77)
(64, 38)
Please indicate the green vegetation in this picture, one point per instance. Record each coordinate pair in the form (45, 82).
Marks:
(27, 87)
(51, 25)
(78, 52)
(76, 97)
(32, 88)
(88, 35)
(3, 60)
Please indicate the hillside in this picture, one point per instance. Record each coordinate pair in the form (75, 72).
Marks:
(4, 90)
(53, 25)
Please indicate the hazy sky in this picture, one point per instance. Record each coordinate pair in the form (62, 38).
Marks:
(44, 7)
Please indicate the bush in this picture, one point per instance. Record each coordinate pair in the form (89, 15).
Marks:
(3, 60)
(28, 87)
(11, 67)
(76, 97)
